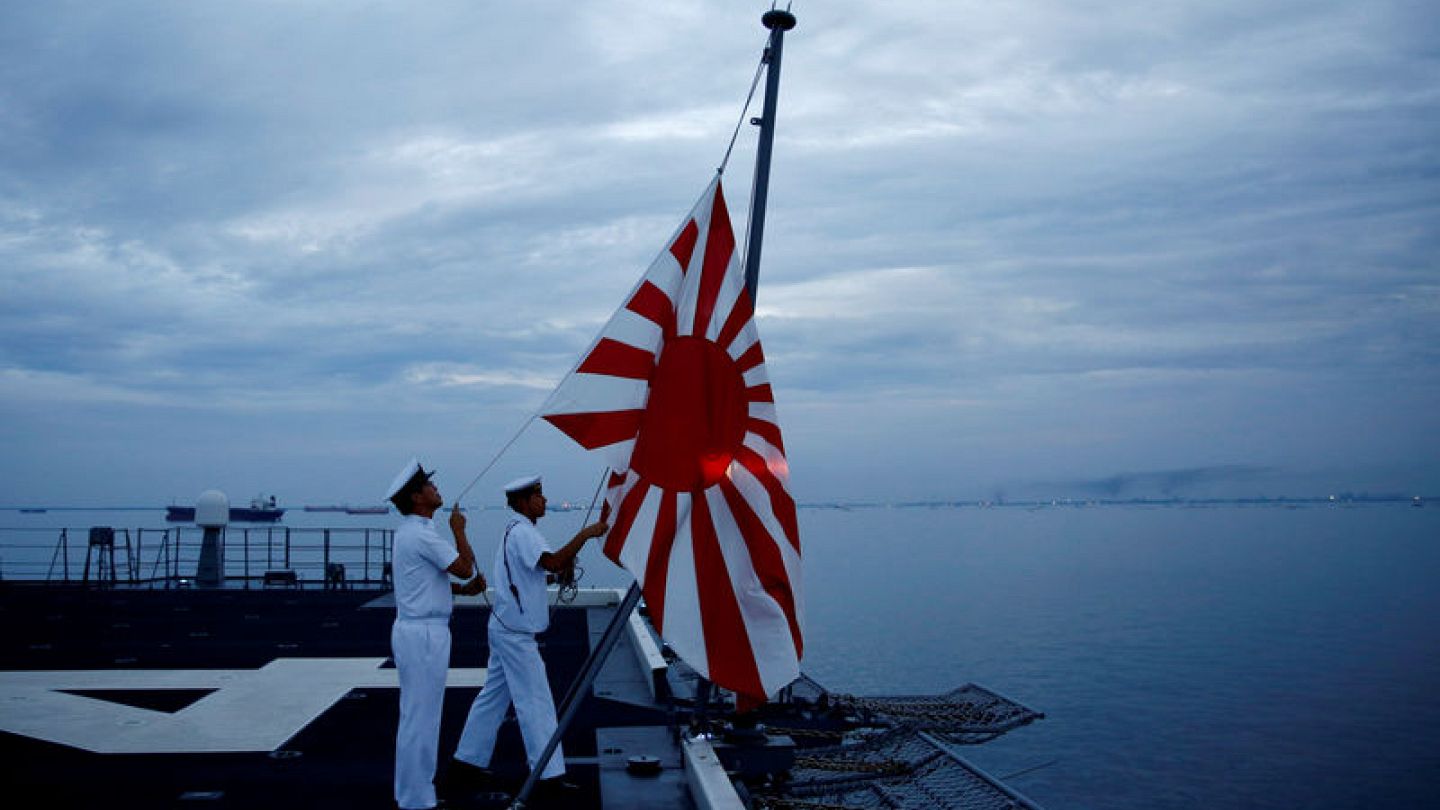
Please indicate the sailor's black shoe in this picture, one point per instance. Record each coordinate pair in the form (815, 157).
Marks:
(464, 779)
(555, 792)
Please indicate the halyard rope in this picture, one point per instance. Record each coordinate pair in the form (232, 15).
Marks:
(755, 82)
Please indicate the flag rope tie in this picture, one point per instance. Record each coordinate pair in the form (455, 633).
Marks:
(755, 82)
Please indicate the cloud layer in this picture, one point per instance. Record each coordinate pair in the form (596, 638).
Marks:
(287, 245)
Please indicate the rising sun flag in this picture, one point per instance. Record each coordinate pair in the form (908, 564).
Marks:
(675, 393)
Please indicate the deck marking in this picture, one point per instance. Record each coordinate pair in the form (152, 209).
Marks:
(250, 710)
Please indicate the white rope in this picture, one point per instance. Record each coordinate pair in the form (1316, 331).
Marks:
(477, 478)
(755, 82)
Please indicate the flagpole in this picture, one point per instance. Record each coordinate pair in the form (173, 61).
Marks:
(778, 22)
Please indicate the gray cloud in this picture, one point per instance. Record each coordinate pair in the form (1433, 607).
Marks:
(1018, 243)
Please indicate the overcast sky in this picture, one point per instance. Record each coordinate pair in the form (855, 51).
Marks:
(1042, 246)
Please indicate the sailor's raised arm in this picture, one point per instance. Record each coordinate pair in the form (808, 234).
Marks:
(464, 565)
(557, 561)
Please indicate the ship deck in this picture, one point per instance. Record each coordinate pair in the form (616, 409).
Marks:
(168, 688)
(161, 694)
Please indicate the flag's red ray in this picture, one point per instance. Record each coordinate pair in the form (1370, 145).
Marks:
(691, 438)
(719, 244)
(615, 480)
(597, 428)
(769, 431)
(651, 303)
(657, 563)
(684, 245)
(752, 357)
(765, 558)
(781, 504)
(616, 359)
(739, 316)
(624, 518)
(727, 643)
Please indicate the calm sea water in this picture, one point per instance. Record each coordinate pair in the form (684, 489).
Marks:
(1225, 657)
(1215, 658)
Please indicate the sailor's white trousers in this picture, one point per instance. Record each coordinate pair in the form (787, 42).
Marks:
(516, 674)
(422, 658)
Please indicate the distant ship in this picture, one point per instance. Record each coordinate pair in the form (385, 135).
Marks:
(262, 509)
(350, 510)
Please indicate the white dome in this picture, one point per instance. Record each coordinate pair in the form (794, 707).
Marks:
(212, 509)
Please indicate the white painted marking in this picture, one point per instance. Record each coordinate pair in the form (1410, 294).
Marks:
(710, 786)
(251, 709)
(646, 652)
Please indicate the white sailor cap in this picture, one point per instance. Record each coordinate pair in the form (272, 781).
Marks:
(407, 479)
(522, 484)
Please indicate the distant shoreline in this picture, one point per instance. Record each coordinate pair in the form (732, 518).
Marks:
(1027, 503)
(1169, 501)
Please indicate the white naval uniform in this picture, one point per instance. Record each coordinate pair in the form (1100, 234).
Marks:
(516, 672)
(420, 642)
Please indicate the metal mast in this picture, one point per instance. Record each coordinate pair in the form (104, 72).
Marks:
(778, 22)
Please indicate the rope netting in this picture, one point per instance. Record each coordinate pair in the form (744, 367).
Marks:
(901, 768)
(965, 716)
(897, 753)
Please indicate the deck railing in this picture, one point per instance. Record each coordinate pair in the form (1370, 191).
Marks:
(267, 556)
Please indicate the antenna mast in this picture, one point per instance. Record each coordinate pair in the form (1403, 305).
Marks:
(778, 22)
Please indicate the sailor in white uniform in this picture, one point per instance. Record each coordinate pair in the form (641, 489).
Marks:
(516, 672)
(420, 638)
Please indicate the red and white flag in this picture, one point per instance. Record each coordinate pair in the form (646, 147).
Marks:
(675, 392)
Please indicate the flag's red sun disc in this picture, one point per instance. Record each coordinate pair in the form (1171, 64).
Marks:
(695, 419)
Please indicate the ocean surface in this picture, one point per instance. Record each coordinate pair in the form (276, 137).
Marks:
(1220, 657)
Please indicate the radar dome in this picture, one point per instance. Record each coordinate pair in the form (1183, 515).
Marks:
(212, 509)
